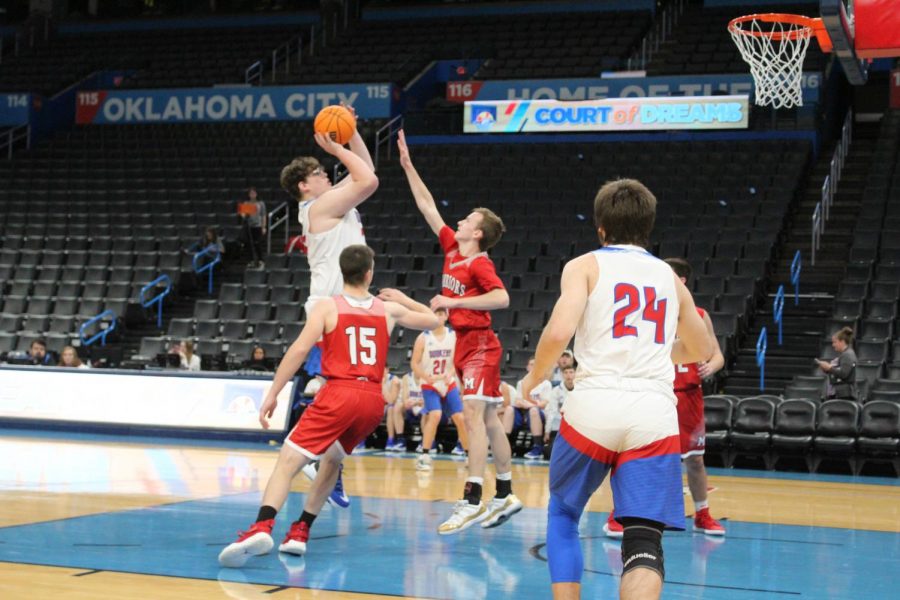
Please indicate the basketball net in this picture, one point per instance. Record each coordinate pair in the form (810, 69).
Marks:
(775, 51)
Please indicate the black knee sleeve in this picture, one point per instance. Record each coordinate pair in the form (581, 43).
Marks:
(642, 545)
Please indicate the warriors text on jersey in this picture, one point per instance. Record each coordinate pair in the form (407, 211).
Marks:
(465, 277)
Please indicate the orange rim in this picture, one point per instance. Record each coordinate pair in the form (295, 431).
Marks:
(807, 26)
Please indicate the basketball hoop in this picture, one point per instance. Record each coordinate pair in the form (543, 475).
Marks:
(774, 45)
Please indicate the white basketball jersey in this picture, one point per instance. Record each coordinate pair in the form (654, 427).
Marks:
(413, 388)
(323, 250)
(437, 359)
(628, 327)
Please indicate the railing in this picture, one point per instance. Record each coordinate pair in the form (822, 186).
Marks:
(795, 277)
(279, 216)
(158, 299)
(10, 137)
(761, 347)
(213, 251)
(662, 28)
(104, 331)
(254, 73)
(778, 310)
(338, 172)
(382, 138)
(829, 187)
(27, 31)
(280, 59)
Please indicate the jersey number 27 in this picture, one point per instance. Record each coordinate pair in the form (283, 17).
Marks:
(654, 311)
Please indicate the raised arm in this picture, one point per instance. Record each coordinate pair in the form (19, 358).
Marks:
(405, 311)
(294, 357)
(492, 300)
(339, 200)
(424, 199)
(693, 343)
(574, 292)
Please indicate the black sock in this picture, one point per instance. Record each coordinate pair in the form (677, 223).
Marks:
(307, 518)
(472, 492)
(266, 513)
(504, 488)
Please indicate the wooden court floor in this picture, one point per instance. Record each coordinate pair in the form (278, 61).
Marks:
(113, 518)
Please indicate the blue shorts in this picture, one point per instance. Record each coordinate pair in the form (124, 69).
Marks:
(450, 404)
(523, 418)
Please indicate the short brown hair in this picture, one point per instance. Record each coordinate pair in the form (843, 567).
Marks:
(295, 172)
(491, 227)
(626, 210)
(681, 267)
(356, 261)
(845, 335)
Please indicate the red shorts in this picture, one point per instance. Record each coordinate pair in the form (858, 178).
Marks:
(477, 360)
(691, 423)
(343, 411)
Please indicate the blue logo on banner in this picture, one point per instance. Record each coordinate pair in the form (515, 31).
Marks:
(484, 116)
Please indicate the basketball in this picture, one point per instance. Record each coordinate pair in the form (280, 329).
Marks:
(337, 122)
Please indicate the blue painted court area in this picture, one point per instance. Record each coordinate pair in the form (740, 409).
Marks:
(390, 547)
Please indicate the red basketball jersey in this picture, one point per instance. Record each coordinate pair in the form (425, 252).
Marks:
(686, 376)
(357, 347)
(465, 277)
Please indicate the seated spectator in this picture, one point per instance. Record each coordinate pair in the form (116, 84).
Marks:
(69, 358)
(529, 412)
(39, 355)
(257, 360)
(557, 401)
(210, 238)
(189, 360)
(566, 359)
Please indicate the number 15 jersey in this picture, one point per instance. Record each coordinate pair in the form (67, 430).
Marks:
(357, 347)
(628, 326)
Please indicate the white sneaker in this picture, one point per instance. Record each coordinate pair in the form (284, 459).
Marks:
(464, 516)
(309, 469)
(500, 510)
(423, 463)
(254, 542)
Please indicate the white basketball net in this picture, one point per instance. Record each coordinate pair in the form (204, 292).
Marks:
(775, 52)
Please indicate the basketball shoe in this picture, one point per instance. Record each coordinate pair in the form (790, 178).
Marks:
(500, 510)
(423, 462)
(296, 539)
(337, 497)
(464, 516)
(254, 542)
(613, 528)
(704, 522)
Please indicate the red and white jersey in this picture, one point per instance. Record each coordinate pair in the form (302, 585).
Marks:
(323, 250)
(437, 359)
(626, 333)
(687, 376)
(465, 277)
(357, 347)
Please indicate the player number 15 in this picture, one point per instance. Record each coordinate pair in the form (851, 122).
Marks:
(362, 346)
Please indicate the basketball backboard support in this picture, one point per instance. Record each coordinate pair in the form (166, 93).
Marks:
(860, 31)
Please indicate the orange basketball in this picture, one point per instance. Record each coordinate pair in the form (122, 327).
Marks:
(337, 122)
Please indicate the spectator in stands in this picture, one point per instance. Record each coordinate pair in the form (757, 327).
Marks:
(69, 358)
(566, 360)
(38, 353)
(257, 360)
(253, 213)
(189, 360)
(841, 370)
(210, 238)
(558, 396)
(529, 412)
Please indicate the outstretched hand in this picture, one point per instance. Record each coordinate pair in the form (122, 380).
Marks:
(327, 144)
(392, 295)
(267, 410)
(405, 160)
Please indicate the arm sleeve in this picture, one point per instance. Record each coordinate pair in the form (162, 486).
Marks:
(485, 275)
(447, 240)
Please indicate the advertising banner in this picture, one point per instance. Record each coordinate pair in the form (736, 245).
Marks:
(197, 105)
(617, 87)
(633, 114)
(122, 398)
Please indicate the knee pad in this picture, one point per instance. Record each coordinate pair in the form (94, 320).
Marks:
(642, 545)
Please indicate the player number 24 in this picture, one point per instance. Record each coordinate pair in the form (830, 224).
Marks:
(362, 346)
(654, 311)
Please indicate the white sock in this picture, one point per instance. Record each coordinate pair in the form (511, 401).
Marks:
(478, 480)
(698, 506)
(504, 476)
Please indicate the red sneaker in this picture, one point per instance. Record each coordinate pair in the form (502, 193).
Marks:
(255, 541)
(704, 522)
(295, 541)
(613, 528)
